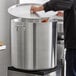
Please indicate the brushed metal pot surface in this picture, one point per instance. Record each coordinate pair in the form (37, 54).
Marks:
(33, 45)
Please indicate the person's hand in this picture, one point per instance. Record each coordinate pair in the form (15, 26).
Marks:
(44, 20)
(60, 13)
(34, 9)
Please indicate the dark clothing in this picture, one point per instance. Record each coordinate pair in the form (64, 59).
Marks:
(69, 7)
(71, 62)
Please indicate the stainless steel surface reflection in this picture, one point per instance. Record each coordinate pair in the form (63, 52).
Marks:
(33, 45)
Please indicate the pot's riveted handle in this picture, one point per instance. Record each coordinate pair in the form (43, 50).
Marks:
(23, 28)
(20, 26)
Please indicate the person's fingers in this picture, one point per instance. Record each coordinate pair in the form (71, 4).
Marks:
(34, 9)
(60, 13)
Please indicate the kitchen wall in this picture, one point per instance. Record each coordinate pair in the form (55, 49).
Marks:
(5, 34)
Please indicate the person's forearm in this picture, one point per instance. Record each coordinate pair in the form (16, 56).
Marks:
(58, 5)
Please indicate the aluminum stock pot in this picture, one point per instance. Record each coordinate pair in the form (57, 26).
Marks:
(33, 43)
